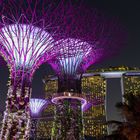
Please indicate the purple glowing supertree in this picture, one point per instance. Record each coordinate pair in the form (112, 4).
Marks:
(26, 42)
(71, 62)
(36, 106)
(85, 38)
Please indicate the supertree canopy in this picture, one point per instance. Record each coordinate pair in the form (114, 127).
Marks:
(69, 63)
(36, 106)
(72, 52)
(25, 44)
(85, 38)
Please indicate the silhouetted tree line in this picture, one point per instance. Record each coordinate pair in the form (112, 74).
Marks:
(129, 129)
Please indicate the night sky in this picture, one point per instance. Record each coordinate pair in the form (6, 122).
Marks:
(128, 13)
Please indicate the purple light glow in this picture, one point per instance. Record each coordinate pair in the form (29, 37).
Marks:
(93, 103)
(83, 101)
(85, 37)
(36, 106)
(87, 106)
(26, 32)
(71, 53)
(24, 44)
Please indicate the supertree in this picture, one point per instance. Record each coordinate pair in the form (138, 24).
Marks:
(85, 38)
(36, 106)
(26, 42)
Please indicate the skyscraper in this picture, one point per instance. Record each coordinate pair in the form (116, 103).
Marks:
(94, 88)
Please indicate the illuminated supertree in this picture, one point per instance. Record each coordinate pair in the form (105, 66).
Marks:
(36, 106)
(86, 37)
(26, 42)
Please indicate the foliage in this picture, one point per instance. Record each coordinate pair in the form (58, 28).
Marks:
(130, 109)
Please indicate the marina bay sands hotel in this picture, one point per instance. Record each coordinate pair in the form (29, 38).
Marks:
(103, 88)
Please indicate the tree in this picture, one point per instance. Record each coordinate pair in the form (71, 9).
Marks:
(130, 109)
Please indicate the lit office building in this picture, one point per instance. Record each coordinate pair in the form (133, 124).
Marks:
(131, 83)
(94, 118)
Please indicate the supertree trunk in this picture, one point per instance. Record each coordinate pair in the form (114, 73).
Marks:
(68, 114)
(69, 119)
(16, 120)
(69, 84)
(33, 130)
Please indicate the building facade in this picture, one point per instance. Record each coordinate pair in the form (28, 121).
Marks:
(94, 89)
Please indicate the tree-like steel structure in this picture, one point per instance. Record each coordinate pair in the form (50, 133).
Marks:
(82, 38)
(36, 106)
(26, 42)
(85, 38)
